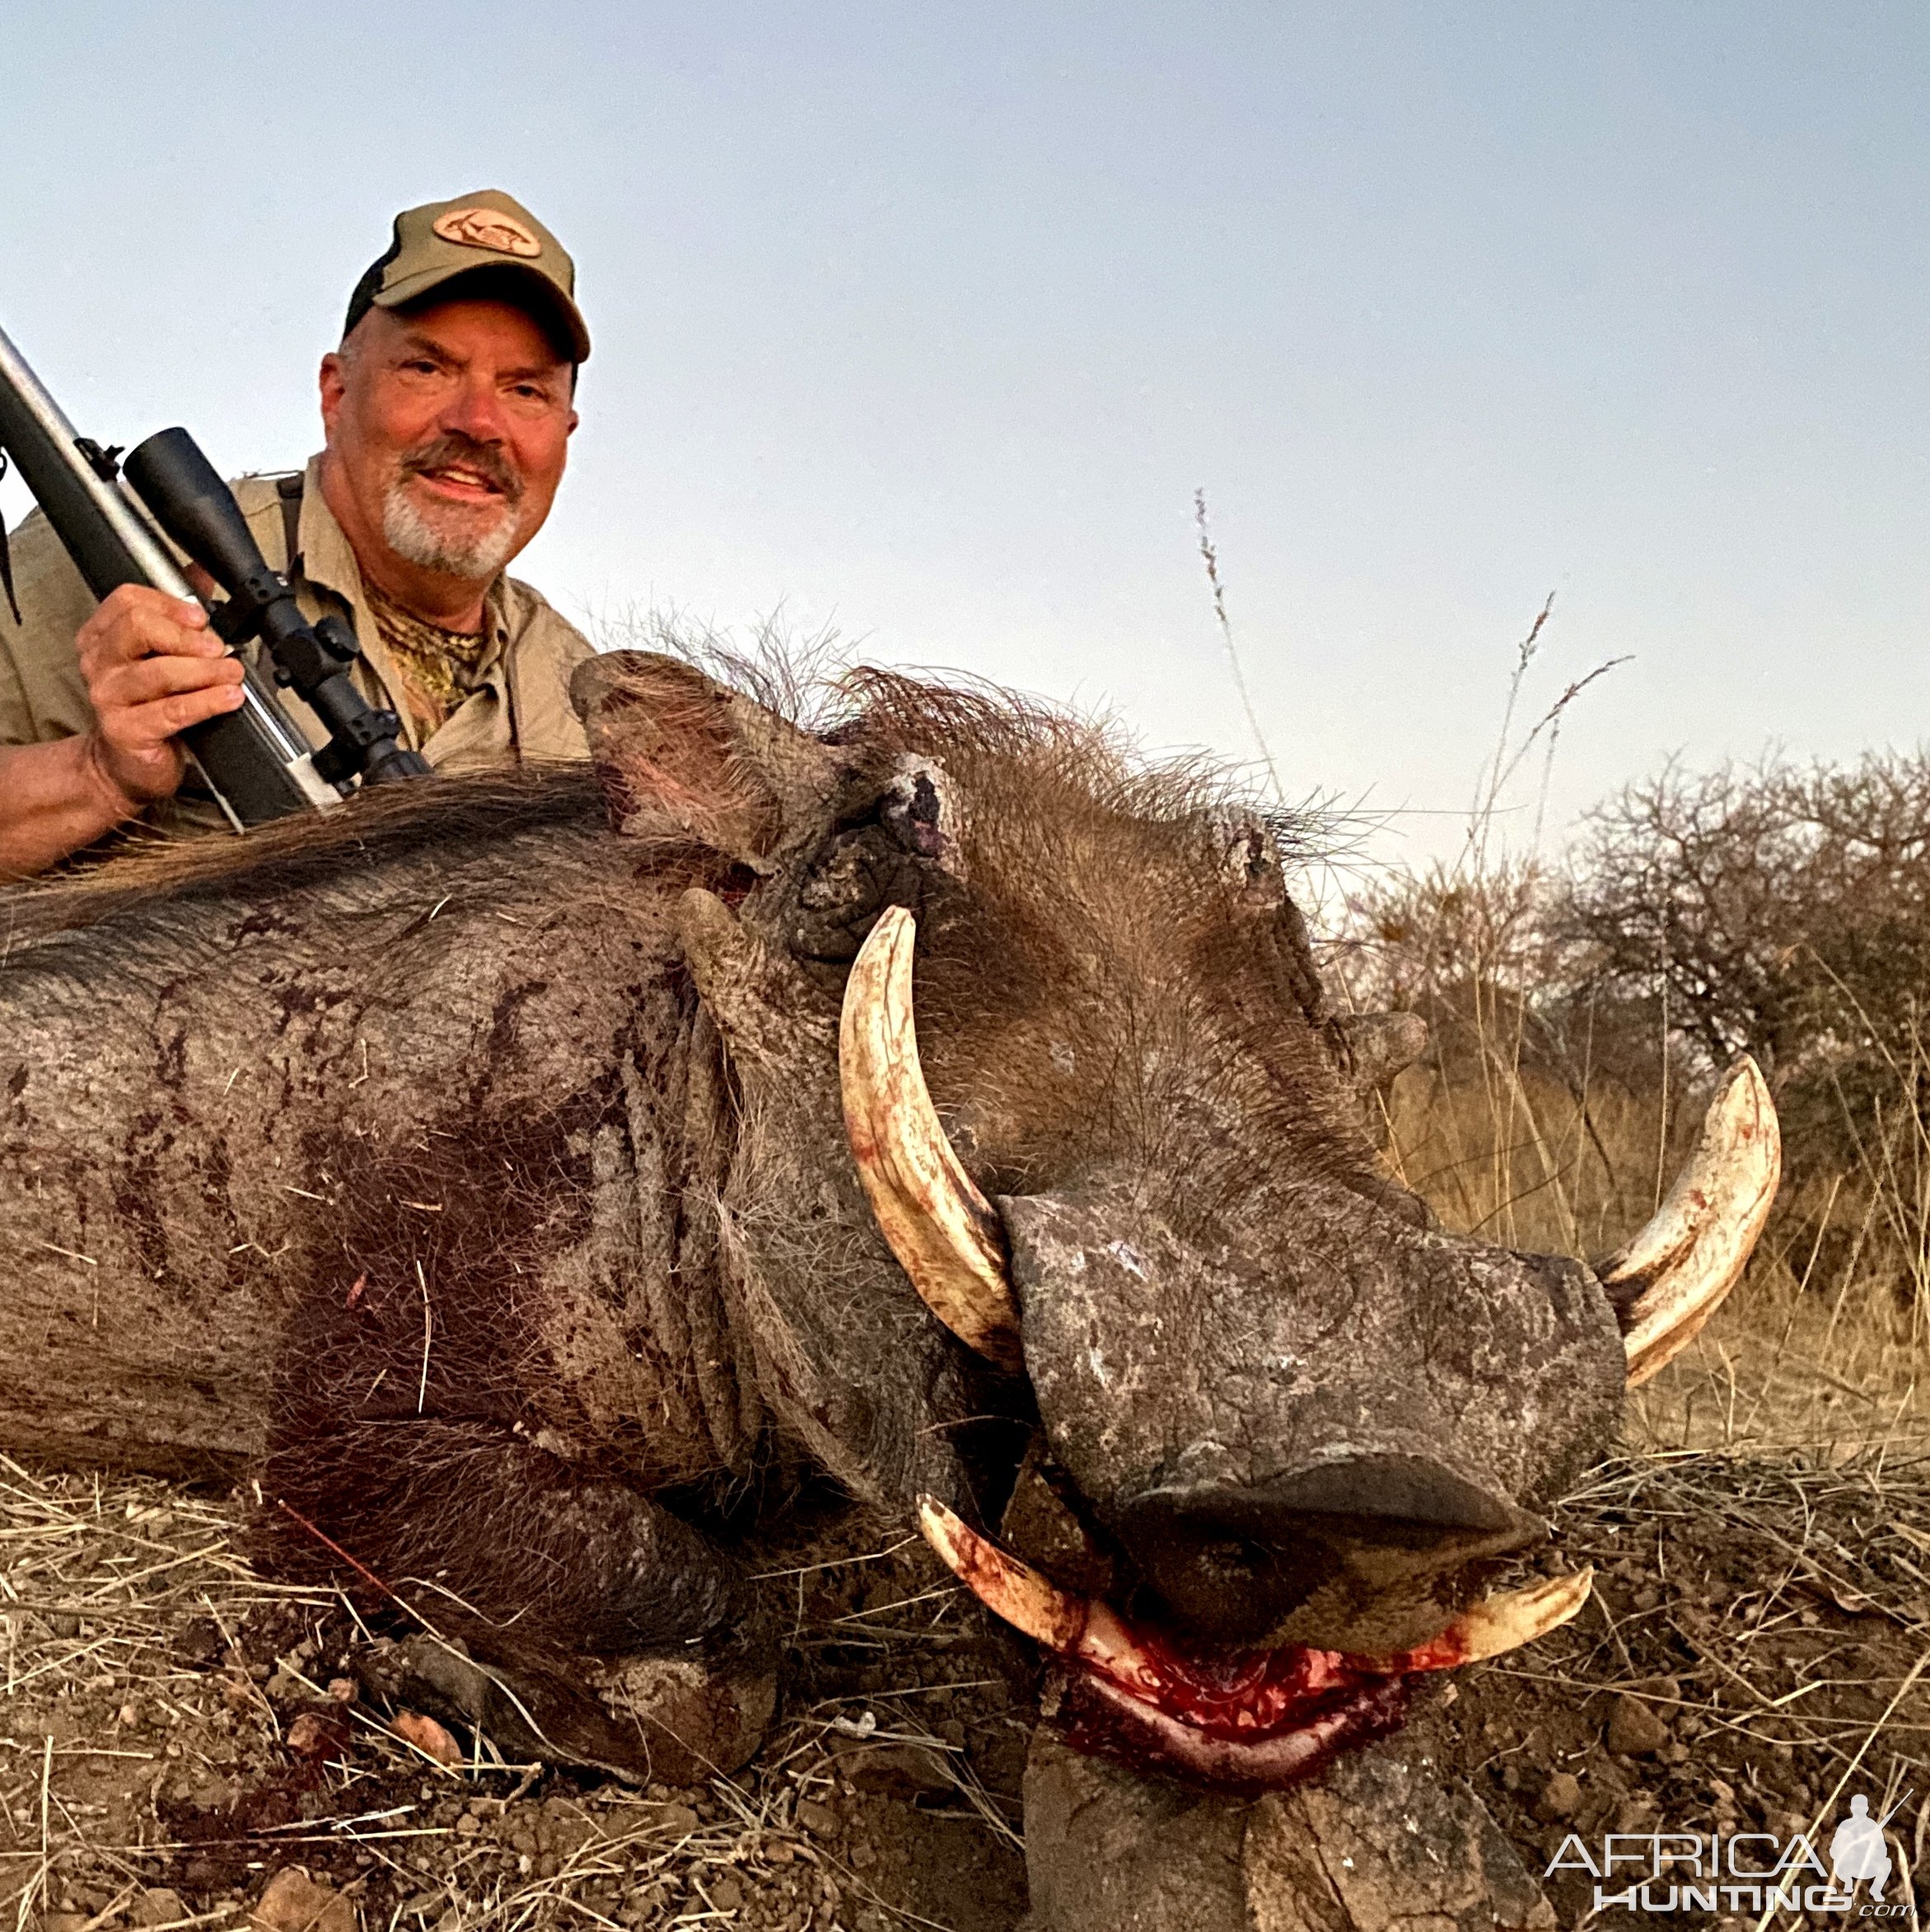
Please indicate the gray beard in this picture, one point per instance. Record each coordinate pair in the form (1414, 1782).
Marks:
(473, 555)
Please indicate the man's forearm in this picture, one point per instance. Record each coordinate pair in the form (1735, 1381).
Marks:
(54, 799)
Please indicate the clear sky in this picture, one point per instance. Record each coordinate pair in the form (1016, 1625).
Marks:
(927, 321)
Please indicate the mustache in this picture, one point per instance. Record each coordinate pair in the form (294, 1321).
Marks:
(453, 447)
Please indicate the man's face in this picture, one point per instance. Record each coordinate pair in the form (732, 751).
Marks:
(448, 427)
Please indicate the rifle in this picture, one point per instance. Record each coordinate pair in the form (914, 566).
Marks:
(256, 760)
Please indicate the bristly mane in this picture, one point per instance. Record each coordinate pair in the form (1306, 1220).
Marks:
(973, 724)
(380, 822)
(980, 722)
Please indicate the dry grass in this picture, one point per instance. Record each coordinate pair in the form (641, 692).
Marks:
(1791, 1362)
(1772, 1612)
(153, 1772)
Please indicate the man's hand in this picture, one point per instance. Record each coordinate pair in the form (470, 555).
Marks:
(153, 668)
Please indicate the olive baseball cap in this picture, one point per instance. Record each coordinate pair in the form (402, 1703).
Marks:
(488, 231)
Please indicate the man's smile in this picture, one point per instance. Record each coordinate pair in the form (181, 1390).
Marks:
(460, 484)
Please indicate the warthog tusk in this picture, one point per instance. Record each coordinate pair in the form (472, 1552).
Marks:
(1495, 1624)
(1088, 1630)
(1029, 1602)
(1670, 1278)
(941, 1227)
(1084, 1627)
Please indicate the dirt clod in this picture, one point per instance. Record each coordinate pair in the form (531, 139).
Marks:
(820, 1820)
(1634, 1728)
(899, 1771)
(1561, 1797)
(427, 1737)
(292, 1901)
(674, 1821)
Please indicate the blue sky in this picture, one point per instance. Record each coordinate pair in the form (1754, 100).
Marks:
(928, 322)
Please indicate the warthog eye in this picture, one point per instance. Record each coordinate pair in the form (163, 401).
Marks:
(913, 813)
(879, 859)
(854, 878)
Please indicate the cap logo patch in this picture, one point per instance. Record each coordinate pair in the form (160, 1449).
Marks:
(488, 228)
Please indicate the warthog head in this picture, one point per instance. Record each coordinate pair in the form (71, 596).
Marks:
(1035, 1034)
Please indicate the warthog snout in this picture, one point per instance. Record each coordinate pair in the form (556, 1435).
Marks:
(1316, 1435)
(1289, 1425)
(1234, 1562)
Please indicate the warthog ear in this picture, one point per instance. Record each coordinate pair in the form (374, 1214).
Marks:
(680, 755)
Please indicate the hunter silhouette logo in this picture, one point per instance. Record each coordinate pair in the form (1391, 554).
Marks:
(1755, 1872)
(488, 228)
(1857, 1851)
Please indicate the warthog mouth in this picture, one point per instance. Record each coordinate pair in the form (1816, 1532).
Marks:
(1251, 1719)
(1236, 1720)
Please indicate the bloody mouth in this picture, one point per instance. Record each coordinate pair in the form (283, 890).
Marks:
(1252, 1724)
(1245, 1721)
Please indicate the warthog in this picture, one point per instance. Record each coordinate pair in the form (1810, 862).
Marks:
(501, 1169)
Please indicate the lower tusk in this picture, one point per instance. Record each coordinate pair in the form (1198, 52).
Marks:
(1672, 1276)
(1087, 1629)
(1495, 1624)
(1009, 1589)
(1083, 1628)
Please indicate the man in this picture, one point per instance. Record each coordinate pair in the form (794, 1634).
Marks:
(447, 411)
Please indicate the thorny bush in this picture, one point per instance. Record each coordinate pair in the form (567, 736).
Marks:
(1779, 909)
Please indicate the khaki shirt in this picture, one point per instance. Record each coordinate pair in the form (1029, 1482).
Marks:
(520, 710)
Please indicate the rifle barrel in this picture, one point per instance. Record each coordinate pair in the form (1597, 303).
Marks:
(256, 765)
(111, 543)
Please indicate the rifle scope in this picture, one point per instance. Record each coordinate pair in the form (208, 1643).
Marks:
(194, 507)
(257, 765)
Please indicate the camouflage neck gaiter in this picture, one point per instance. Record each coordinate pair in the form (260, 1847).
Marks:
(439, 668)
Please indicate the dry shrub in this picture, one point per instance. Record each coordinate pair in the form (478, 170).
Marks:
(1785, 910)
(1535, 1118)
(1557, 1098)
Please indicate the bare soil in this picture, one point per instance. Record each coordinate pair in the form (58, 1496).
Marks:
(1756, 1652)
(175, 1731)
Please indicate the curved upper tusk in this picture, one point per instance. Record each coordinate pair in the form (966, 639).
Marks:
(1669, 1279)
(942, 1228)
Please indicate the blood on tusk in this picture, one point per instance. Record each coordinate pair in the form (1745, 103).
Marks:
(1092, 1632)
(1011, 1589)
